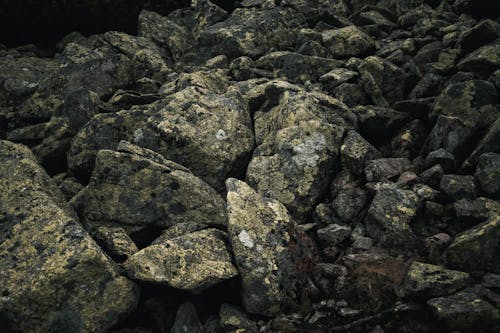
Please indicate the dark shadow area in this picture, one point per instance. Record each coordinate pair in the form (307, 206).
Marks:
(44, 23)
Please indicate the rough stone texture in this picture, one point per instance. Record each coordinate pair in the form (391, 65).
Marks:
(115, 241)
(356, 151)
(135, 187)
(262, 234)
(427, 281)
(293, 165)
(208, 133)
(485, 59)
(251, 31)
(488, 173)
(458, 186)
(334, 234)
(347, 42)
(193, 261)
(465, 310)
(386, 168)
(476, 248)
(391, 214)
(296, 67)
(54, 276)
(469, 101)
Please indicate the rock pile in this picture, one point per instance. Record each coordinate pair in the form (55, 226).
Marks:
(280, 166)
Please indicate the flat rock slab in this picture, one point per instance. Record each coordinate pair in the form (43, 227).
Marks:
(54, 276)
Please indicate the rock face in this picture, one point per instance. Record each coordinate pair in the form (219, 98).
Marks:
(54, 276)
(192, 261)
(261, 233)
(347, 42)
(252, 165)
(135, 187)
(476, 248)
(427, 280)
(391, 213)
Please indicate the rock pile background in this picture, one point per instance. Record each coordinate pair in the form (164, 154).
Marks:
(271, 166)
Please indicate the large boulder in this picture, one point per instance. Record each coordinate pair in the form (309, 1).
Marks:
(136, 188)
(208, 132)
(467, 311)
(426, 280)
(476, 248)
(193, 261)
(295, 164)
(347, 42)
(55, 278)
(471, 101)
(391, 216)
(267, 249)
(252, 32)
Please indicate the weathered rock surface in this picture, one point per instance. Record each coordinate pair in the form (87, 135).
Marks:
(262, 233)
(193, 261)
(426, 280)
(135, 188)
(54, 276)
(476, 248)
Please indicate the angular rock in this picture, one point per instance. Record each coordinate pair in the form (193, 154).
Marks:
(347, 42)
(485, 60)
(390, 216)
(465, 310)
(293, 165)
(263, 238)
(386, 168)
(488, 173)
(207, 132)
(179, 229)
(104, 131)
(296, 67)
(20, 77)
(336, 77)
(187, 320)
(115, 241)
(349, 202)
(136, 188)
(388, 77)
(334, 234)
(356, 151)
(54, 276)
(450, 134)
(293, 107)
(433, 175)
(482, 33)
(489, 143)
(476, 210)
(251, 32)
(441, 157)
(427, 281)
(233, 319)
(469, 101)
(458, 186)
(165, 32)
(476, 248)
(190, 262)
